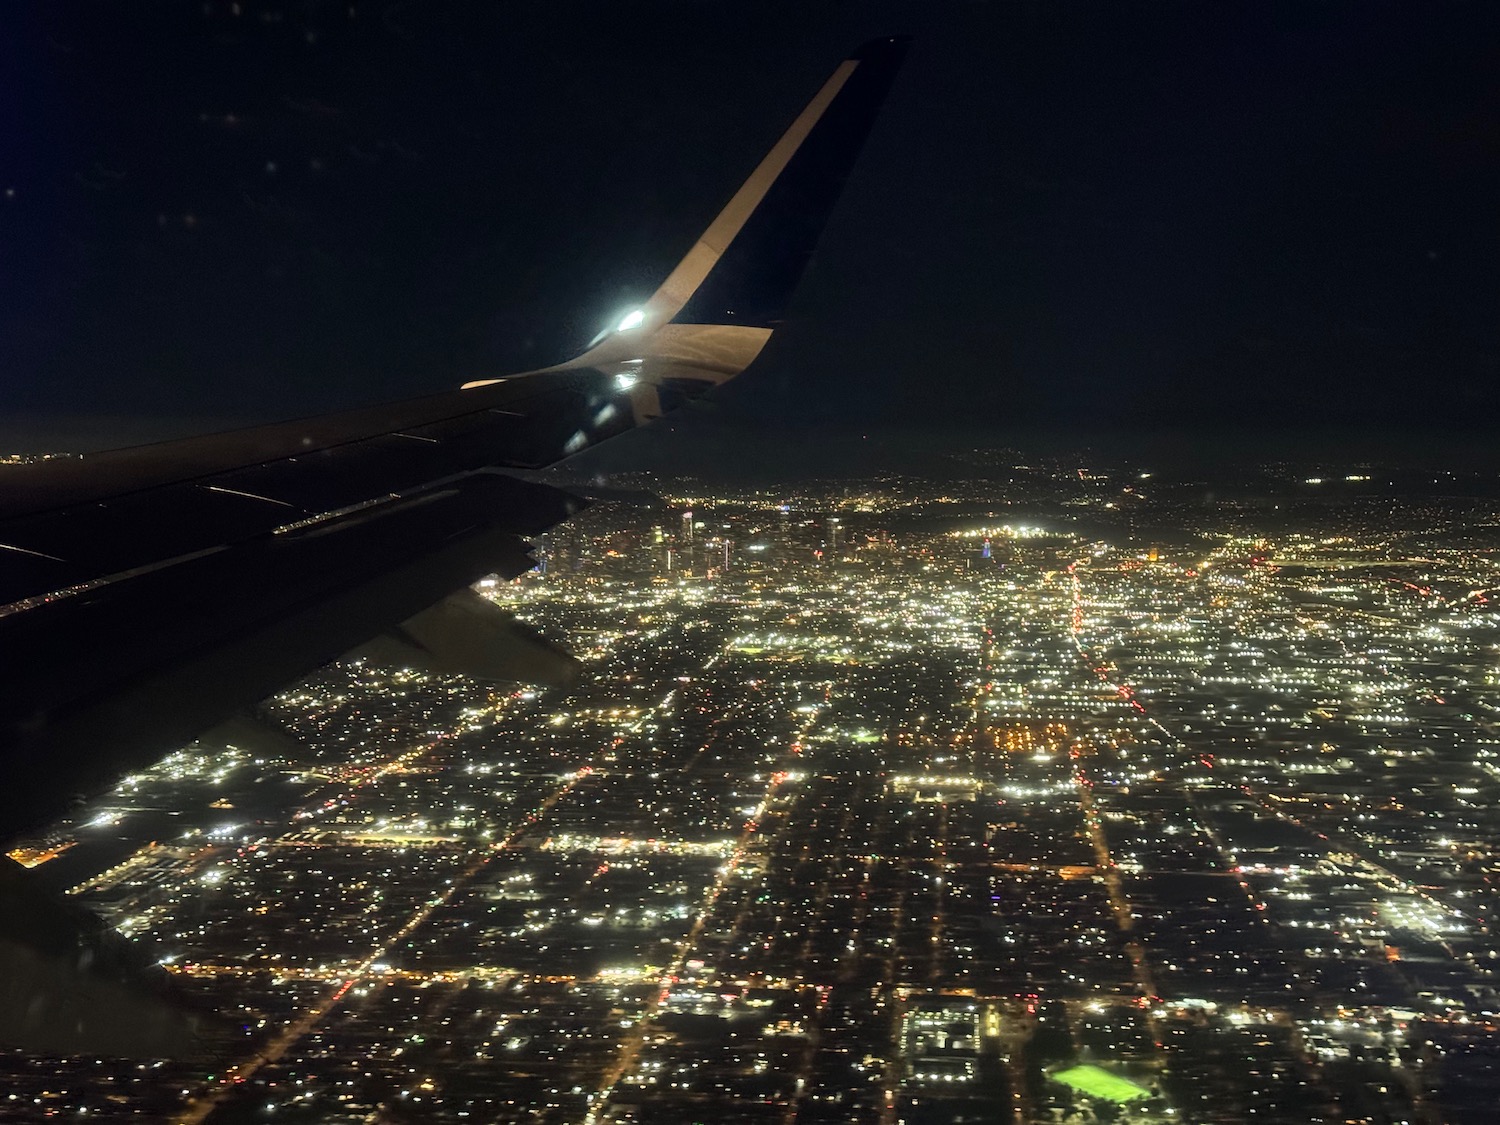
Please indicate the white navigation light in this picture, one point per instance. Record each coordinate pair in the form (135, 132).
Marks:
(624, 380)
(633, 319)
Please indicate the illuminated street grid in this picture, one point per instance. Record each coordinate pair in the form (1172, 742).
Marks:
(891, 820)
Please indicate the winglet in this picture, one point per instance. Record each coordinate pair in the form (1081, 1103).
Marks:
(717, 308)
(747, 264)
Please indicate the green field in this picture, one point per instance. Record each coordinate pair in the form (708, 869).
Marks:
(1099, 1083)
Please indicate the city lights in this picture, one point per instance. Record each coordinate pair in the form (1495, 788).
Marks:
(1023, 819)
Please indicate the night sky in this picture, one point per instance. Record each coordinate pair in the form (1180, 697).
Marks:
(1151, 219)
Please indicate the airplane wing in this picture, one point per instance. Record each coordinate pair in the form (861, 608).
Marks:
(146, 594)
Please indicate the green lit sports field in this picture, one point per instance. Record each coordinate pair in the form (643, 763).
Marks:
(1099, 1083)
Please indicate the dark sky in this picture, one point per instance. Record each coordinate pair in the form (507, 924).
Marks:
(1111, 217)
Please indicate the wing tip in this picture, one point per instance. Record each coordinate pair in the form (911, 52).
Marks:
(746, 267)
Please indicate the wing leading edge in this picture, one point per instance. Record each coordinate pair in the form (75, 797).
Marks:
(147, 594)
